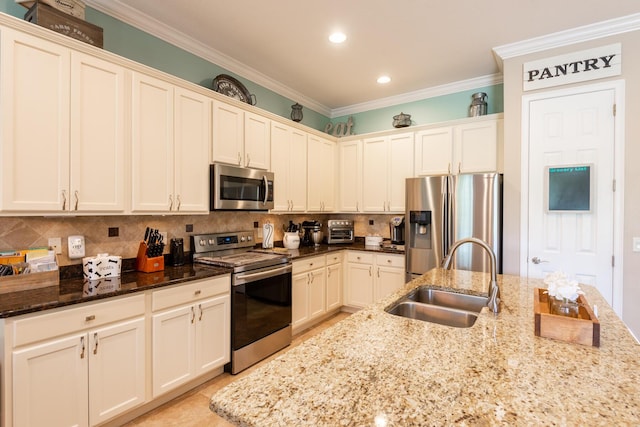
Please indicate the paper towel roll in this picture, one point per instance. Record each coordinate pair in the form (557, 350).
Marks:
(267, 235)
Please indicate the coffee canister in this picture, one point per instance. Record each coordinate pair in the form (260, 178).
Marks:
(176, 251)
(478, 105)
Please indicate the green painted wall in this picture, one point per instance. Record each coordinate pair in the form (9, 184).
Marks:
(431, 110)
(131, 43)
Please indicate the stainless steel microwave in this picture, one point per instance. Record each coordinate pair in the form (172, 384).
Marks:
(244, 189)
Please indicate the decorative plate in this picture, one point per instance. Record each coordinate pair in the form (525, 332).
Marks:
(231, 87)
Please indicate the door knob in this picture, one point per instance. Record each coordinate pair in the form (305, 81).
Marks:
(537, 260)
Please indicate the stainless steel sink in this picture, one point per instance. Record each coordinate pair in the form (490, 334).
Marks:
(438, 306)
(428, 295)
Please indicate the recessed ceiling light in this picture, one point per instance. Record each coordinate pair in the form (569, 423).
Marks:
(337, 37)
(384, 79)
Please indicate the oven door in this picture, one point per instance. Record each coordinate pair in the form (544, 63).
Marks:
(260, 304)
(234, 188)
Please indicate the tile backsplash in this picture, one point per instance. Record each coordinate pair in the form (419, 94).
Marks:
(26, 232)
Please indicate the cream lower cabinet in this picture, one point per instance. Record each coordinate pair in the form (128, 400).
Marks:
(191, 327)
(308, 290)
(84, 376)
(334, 281)
(370, 277)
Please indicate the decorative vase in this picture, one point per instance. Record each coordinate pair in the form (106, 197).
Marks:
(478, 105)
(563, 307)
(296, 112)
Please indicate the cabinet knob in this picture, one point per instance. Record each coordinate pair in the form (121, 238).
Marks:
(197, 292)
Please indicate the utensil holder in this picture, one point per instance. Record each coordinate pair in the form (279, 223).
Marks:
(146, 264)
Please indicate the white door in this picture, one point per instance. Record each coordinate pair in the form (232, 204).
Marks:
(573, 129)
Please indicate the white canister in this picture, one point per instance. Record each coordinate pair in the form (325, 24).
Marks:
(291, 240)
(101, 266)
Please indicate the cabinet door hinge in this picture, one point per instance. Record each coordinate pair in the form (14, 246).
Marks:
(613, 260)
(615, 109)
(614, 185)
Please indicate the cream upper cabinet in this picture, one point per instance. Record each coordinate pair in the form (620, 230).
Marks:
(63, 117)
(170, 148)
(350, 176)
(320, 174)
(257, 141)
(97, 135)
(240, 138)
(152, 144)
(192, 128)
(289, 165)
(387, 162)
(477, 147)
(465, 148)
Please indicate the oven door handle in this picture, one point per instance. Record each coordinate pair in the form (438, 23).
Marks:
(252, 277)
(266, 189)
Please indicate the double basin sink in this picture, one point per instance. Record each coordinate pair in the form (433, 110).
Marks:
(439, 306)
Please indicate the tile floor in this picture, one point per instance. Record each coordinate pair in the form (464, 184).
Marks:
(192, 408)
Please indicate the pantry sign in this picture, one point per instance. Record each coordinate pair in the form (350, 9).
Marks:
(591, 64)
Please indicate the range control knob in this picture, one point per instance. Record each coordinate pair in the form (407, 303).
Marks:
(249, 238)
(242, 238)
(201, 242)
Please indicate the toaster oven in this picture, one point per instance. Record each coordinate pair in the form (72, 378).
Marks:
(339, 231)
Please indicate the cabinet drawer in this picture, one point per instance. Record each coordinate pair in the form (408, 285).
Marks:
(190, 292)
(334, 258)
(307, 264)
(390, 260)
(46, 326)
(360, 257)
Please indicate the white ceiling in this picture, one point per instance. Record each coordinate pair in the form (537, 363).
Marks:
(421, 44)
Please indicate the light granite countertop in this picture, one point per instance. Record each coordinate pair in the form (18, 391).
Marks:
(376, 369)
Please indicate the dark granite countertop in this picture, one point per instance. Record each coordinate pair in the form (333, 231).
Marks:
(72, 289)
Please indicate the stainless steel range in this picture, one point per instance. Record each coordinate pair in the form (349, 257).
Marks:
(260, 294)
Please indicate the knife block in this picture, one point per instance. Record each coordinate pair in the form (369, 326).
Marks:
(146, 264)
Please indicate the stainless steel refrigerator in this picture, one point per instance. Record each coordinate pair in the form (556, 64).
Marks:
(443, 209)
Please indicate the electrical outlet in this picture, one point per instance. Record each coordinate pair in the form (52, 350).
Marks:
(56, 244)
(189, 228)
(76, 247)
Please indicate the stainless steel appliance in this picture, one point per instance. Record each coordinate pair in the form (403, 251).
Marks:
(396, 230)
(311, 233)
(339, 231)
(235, 188)
(260, 294)
(443, 209)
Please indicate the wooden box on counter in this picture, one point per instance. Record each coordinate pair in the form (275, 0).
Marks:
(63, 23)
(582, 330)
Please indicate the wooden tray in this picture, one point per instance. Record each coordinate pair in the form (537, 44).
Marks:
(583, 330)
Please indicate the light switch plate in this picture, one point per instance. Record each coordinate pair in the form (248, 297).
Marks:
(76, 247)
(636, 244)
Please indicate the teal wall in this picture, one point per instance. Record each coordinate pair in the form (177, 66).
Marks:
(131, 43)
(430, 110)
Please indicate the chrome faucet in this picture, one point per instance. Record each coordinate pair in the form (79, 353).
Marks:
(494, 291)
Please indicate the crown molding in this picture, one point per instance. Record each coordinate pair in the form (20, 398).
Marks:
(133, 17)
(419, 95)
(585, 33)
(143, 22)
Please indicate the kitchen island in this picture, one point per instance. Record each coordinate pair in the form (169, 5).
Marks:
(378, 369)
